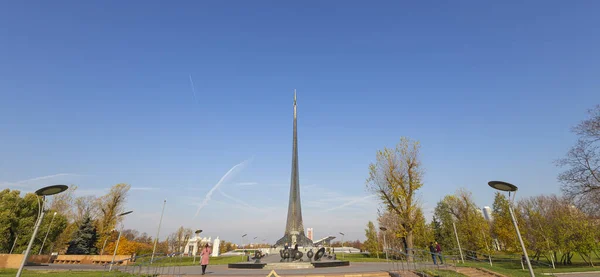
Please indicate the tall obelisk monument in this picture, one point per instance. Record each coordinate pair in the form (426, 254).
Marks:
(294, 229)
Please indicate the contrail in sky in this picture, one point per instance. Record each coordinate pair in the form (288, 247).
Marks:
(351, 202)
(212, 190)
(193, 88)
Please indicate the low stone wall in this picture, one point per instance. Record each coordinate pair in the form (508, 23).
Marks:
(10, 260)
(14, 260)
(89, 259)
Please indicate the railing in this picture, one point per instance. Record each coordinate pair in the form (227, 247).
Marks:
(144, 265)
(418, 261)
(514, 260)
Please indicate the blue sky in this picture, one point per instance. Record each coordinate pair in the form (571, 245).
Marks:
(98, 93)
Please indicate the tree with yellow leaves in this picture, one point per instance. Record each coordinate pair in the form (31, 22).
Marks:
(395, 177)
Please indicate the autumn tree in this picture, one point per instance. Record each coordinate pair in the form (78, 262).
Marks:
(395, 177)
(502, 226)
(460, 209)
(178, 239)
(372, 243)
(555, 226)
(109, 206)
(225, 246)
(63, 202)
(85, 206)
(581, 179)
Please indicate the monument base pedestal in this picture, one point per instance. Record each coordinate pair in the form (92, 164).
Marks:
(301, 240)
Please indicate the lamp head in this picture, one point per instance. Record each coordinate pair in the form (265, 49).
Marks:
(51, 190)
(383, 229)
(125, 213)
(502, 186)
(198, 232)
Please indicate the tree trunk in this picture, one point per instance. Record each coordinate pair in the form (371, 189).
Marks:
(409, 243)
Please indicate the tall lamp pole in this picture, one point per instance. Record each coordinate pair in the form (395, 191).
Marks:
(47, 232)
(383, 229)
(43, 192)
(158, 231)
(243, 246)
(342, 243)
(504, 186)
(458, 242)
(197, 248)
(118, 239)
(14, 243)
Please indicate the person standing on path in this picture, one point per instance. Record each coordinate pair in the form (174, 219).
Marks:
(438, 250)
(206, 251)
(432, 252)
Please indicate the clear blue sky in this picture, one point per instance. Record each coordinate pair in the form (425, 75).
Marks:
(97, 93)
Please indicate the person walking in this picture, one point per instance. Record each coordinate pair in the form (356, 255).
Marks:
(433, 252)
(438, 250)
(206, 251)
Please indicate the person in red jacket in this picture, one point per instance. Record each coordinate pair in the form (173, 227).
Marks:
(206, 251)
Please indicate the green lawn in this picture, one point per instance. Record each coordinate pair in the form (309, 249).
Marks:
(360, 257)
(513, 268)
(34, 273)
(189, 261)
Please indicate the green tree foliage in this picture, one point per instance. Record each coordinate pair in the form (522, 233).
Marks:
(423, 231)
(554, 226)
(372, 243)
(395, 177)
(52, 227)
(503, 228)
(471, 227)
(17, 220)
(85, 239)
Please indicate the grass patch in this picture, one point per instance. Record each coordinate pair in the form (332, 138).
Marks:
(361, 258)
(189, 261)
(513, 268)
(34, 273)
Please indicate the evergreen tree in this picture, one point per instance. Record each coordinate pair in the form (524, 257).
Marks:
(84, 239)
(371, 244)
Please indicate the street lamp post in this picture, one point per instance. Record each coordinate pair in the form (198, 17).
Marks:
(342, 244)
(104, 244)
(243, 246)
(118, 239)
(504, 186)
(158, 231)
(383, 229)
(458, 242)
(47, 232)
(43, 192)
(14, 243)
(196, 252)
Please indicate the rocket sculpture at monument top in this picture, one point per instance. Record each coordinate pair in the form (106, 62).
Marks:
(294, 228)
